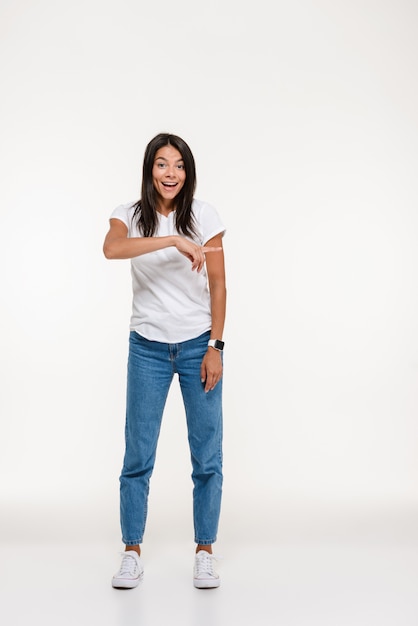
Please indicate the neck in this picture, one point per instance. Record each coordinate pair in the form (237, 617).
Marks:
(165, 208)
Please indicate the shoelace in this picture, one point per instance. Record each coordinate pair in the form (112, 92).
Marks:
(204, 564)
(128, 566)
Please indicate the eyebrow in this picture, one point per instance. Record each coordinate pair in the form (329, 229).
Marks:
(164, 159)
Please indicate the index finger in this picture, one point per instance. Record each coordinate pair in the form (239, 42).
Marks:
(211, 249)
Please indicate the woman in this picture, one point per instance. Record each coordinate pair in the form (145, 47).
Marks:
(178, 314)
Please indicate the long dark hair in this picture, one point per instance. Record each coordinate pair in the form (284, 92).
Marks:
(146, 208)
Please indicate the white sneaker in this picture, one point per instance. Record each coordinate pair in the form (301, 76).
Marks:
(131, 571)
(204, 576)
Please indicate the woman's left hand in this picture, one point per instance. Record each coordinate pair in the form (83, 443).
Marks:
(211, 369)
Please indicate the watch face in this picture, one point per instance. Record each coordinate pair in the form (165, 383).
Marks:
(219, 345)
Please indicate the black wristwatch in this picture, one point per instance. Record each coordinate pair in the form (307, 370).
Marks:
(217, 344)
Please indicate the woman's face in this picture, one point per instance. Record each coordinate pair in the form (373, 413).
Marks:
(168, 173)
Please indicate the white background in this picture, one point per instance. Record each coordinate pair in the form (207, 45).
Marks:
(302, 117)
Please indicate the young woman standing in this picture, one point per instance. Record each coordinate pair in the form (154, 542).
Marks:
(179, 297)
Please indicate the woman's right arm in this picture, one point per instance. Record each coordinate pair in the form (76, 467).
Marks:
(117, 245)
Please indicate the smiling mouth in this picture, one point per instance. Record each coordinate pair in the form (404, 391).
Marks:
(169, 185)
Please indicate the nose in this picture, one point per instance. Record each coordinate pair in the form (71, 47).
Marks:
(170, 171)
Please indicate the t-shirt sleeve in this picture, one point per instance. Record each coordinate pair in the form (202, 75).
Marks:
(122, 213)
(210, 223)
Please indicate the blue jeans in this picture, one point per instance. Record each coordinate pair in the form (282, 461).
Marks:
(151, 367)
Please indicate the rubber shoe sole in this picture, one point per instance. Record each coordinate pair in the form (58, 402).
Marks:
(206, 583)
(126, 583)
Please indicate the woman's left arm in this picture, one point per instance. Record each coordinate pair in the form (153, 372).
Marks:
(211, 368)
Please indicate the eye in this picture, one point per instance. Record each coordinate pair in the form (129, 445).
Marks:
(180, 166)
(161, 165)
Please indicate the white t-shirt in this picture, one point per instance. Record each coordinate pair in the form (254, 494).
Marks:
(171, 303)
